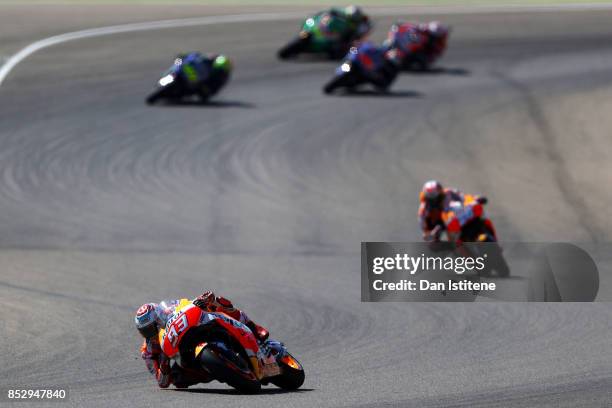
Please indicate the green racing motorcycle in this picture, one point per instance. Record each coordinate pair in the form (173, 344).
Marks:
(327, 32)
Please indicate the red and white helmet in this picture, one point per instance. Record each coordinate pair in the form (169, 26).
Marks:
(435, 29)
(146, 320)
(433, 191)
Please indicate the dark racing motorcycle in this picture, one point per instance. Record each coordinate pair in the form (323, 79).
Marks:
(365, 64)
(172, 85)
(184, 79)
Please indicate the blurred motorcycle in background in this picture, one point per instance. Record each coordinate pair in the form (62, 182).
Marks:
(364, 64)
(465, 224)
(192, 75)
(329, 32)
(417, 45)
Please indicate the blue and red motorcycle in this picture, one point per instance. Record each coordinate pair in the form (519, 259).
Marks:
(364, 64)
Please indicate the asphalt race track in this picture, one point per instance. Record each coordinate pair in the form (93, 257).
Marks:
(266, 193)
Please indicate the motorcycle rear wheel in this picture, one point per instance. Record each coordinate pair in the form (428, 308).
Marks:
(221, 368)
(499, 264)
(295, 47)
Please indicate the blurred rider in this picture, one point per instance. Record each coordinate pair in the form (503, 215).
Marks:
(207, 74)
(444, 209)
(350, 20)
(359, 22)
(434, 201)
(151, 317)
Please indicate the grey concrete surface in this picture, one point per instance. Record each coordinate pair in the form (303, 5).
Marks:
(266, 194)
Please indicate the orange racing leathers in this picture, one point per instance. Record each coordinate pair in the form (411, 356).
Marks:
(430, 214)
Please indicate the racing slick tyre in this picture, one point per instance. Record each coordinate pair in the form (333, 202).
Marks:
(422, 64)
(291, 378)
(171, 92)
(346, 80)
(232, 370)
(416, 63)
(295, 47)
(155, 96)
(388, 74)
(498, 263)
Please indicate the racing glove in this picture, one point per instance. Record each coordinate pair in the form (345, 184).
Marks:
(204, 300)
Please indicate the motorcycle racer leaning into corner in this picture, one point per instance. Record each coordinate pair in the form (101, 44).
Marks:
(151, 317)
(444, 209)
(424, 42)
(207, 74)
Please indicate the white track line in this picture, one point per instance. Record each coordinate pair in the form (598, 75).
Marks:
(15, 59)
(132, 27)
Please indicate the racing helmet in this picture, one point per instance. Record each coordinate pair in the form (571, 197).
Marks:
(354, 13)
(146, 320)
(222, 63)
(433, 193)
(436, 29)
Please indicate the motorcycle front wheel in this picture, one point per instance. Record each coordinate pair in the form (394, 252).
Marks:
(295, 47)
(292, 374)
(347, 80)
(156, 95)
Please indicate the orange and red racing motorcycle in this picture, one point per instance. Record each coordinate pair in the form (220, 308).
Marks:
(226, 350)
